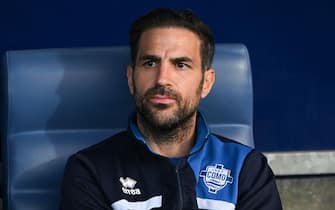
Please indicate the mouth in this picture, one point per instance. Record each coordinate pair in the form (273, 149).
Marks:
(161, 99)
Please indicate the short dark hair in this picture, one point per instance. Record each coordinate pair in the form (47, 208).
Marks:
(163, 17)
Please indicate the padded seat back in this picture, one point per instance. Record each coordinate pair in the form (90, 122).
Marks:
(58, 101)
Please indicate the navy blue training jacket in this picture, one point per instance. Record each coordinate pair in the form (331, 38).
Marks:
(123, 173)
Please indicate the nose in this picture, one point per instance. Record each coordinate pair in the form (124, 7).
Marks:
(163, 74)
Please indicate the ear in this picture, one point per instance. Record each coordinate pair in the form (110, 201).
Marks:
(209, 79)
(130, 79)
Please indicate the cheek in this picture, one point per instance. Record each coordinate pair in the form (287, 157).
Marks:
(141, 84)
(193, 89)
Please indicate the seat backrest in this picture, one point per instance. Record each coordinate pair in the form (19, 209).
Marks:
(58, 101)
(229, 106)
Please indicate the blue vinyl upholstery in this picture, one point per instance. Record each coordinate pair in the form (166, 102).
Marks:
(58, 101)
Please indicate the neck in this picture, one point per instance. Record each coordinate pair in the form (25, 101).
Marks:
(175, 142)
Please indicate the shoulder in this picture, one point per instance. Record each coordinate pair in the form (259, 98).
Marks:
(110, 149)
(252, 156)
(120, 139)
(253, 161)
(231, 148)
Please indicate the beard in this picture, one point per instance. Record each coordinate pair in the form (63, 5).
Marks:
(164, 118)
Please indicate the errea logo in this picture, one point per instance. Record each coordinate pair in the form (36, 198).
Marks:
(128, 185)
(216, 177)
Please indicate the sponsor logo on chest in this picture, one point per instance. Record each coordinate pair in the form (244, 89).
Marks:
(128, 186)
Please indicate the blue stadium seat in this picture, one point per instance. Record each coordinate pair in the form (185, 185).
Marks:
(58, 101)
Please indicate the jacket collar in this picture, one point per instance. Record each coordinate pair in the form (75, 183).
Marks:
(202, 132)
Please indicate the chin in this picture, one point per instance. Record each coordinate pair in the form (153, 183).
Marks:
(163, 118)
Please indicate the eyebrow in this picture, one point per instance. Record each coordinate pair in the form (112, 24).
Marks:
(149, 57)
(182, 59)
(174, 60)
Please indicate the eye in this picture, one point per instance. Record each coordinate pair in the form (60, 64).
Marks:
(150, 63)
(181, 65)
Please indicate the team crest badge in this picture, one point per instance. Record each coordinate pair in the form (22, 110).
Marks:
(216, 177)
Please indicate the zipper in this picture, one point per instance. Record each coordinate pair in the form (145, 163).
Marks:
(180, 190)
(178, 167)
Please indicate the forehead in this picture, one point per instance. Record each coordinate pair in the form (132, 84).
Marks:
(173, 40)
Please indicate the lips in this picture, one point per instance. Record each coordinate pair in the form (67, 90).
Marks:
(161, 99)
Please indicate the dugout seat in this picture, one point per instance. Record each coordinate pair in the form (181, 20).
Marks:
(58, 101)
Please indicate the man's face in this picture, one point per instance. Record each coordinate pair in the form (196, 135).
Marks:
(167, 81)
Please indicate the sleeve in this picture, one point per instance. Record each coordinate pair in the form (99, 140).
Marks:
(257, 187)
(80, 188)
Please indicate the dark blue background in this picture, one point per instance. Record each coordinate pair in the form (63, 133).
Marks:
(291, 45)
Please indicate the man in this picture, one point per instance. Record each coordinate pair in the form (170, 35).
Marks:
(168, 159)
